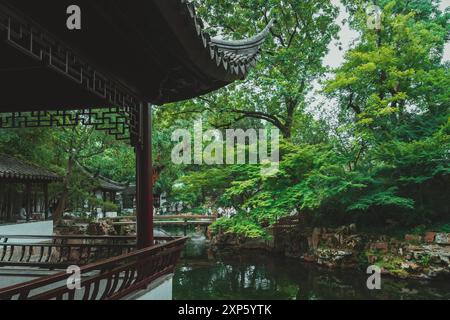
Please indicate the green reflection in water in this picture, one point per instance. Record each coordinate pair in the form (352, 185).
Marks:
(261, 276)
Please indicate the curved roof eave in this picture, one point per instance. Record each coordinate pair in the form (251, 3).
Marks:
(221, 60)
(15, 169)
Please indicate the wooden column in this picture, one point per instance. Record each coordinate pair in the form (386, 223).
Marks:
(46, 204)
(34, 206)
(10, 206)
(28, 200)
(3, 202)
(104, 200)
(144, 184)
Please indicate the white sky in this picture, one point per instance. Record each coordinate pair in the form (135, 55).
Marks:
(318, 104)
(346, 36)
(335, 57)
(445, 4)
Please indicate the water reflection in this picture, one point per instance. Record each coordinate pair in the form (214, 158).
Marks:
(203, 276)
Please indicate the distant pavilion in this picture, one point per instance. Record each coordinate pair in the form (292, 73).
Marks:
(103, 188)
(24, 188)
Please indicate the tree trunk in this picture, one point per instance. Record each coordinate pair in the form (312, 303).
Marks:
(62, 203)
(290, 113)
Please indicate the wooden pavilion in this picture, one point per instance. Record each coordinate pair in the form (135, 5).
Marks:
(103, 188)
(24, 187)
(127, 56)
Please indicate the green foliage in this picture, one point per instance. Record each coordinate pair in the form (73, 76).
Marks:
(116, 162)
(387, 157)
(292, 59)
(378, 151)
(382, 198)
(444, 228)
(419, 230)
(425, 260)
(238, 226)
(63, 150)
(94, 202)
(110, 207)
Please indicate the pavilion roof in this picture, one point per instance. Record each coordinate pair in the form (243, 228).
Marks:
(109, 185)
(15, 169)
(102, 183)
(229, 60)
(158, 50)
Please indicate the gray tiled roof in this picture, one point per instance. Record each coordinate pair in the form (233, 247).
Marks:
(109, 185)
(12, 168)
(102, 182)
(237, 57)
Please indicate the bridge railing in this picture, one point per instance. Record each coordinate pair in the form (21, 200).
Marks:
(184, 221)
(182, 217)
(110, 279)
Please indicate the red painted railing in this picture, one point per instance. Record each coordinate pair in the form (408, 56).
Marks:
(111, 279)
(60, 251)
(56, 252)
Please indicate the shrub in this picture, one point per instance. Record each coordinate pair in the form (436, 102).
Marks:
(238, 226)
(110, 207)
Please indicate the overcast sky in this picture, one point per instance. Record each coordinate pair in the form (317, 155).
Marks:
(336, 56)
(318, 104)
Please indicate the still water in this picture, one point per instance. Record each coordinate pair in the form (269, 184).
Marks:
(260, 276)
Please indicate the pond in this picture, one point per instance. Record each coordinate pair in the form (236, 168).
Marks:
(261, 276)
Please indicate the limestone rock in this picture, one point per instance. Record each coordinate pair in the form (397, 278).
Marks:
(315, 238)
(443, 238)
(413, 238)
(380, 246)
(102, 228)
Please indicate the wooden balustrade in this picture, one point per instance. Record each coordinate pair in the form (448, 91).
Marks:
(111, 279)
(6, 238)
(58, 252)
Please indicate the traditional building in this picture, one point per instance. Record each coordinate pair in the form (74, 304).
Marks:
(129, 195)
(24, 190)
(125, 57)
(107, 189)
(103, 189)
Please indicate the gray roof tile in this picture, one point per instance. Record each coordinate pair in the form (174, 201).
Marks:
(236, 56)
(12, 168)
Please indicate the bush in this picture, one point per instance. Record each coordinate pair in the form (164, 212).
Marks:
(444, 228)
(110, 207)
(94, 202)
(238, 226)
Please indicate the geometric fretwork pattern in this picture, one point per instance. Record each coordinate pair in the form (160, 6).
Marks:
(42, 47)
(112, 120)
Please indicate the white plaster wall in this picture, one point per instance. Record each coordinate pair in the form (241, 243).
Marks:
(111, 214)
